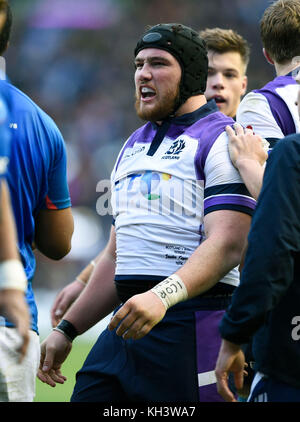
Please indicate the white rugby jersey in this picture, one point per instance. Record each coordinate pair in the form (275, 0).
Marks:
(159, 200)
(271, 111)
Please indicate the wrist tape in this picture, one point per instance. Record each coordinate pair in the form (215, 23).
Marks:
(81, 281)
(12, 275)
(171, 291)
(67, 329)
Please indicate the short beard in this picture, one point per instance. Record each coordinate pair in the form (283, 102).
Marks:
(164, 109)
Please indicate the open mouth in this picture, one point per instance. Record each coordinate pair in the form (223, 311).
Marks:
(219, 99)
(147, 93)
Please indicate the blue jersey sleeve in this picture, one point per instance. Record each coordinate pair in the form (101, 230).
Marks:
(58, 196)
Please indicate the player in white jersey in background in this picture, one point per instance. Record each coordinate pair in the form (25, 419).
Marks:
(173, 292)
(271, 111)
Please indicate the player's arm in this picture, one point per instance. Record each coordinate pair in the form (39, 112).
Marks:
(13, 282)
(54, 223)
(253, 112)
(97, 300)
(248, 153)
(70, 293)
(226, 233)
(53, 232)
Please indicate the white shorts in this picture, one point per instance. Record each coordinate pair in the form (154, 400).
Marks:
(17, 380)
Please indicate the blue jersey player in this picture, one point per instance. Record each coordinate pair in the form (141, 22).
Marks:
(13, 282)
(41, 204)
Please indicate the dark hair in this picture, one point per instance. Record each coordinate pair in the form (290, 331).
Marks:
(6, 29)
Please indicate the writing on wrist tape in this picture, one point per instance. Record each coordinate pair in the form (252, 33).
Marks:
(67, 329)
(171, 291)
(12, 275)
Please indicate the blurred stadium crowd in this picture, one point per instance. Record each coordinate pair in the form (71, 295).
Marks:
(75, 59)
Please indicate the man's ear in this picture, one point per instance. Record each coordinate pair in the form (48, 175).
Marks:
(268, 57)
(244, 85)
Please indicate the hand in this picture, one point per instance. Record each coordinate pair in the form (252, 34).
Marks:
(14, 307)
(231, 359)
(54, 351)
(64, 300)
(243, 144)
(138, 316)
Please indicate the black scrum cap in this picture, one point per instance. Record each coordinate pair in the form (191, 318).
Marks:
(187, 47)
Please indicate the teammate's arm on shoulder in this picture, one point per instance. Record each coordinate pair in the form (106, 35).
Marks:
(53, 232)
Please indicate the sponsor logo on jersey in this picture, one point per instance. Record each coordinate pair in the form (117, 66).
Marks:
(153, 193)
(150, 182)
(174, 150)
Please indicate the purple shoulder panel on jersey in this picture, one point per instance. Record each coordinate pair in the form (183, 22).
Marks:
(232, 196)
(144, 135)
(278, 106)
(207, 130)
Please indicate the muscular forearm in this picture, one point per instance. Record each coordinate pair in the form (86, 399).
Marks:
(98, 299)
(211, 261)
